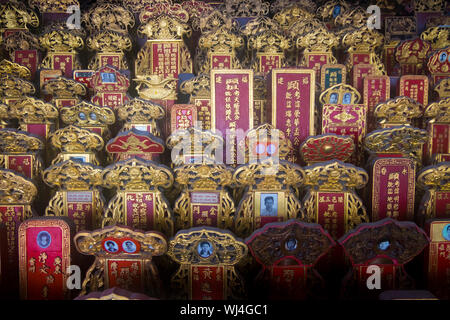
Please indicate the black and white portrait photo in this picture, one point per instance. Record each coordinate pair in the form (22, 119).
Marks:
(269, 205)
(43, 239)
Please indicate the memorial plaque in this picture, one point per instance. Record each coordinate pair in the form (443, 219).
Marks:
(268, 62)
(439, 65)
(45, 253)
(203, 273)
(393, 189)
(415, 87)
(377, 89)
(232, 107)
(331, 75)
(124, 257)
(84, 76)
(386, 245)
(360, 72)
(139, 202)
(316, 60)
(27, 58)
(291, 94)
(183, 116)
(78, 196)
(438, 256)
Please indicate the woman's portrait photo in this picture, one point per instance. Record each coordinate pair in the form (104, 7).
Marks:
(43, 239)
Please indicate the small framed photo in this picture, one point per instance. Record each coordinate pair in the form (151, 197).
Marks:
(268, 205)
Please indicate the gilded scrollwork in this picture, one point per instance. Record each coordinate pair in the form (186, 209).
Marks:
(73, 139)
(398, 111)
(289, 15)
(330, 10)
(57, 40)
(107, 16)
(429, 5)
(12, 87)
(356, 17)
(62, 87)
(15, 15)
(413, 52)
(14, 141)
(32, 110)
(405, 140)
(199, 86)
(443, 88)
(73, 175)
(14, 69)
(58, 6)
(335, 176)
(439, 111)
(216, 19)
(20, 40)
(16, 189)
(247, 8)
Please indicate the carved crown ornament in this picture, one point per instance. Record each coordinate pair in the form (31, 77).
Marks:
(12, 87)
(107, 16)
(400, 110)
(32, 110)
(414, 51)
(216, 19)
(405, 239)
(438, 61)
(437, 36)
(14, 69)
(268, 175)
(73, 175)
(58, 39)
(164, 27)
(151, 243)
(245, 8)
(15, 141)
(199, 86)
(429, 6)
(62, 87)
(327, 147)
(137, 6)
(194, 142)
(317, 40)
(405, 140)
(20, 40)
(268, 244)
(87, 114)
(221, 39)
(174, 10)
(196, 10)
(266, 137)
(109, 41)
(362, 39)
(59, 6)
(15, 15)
(136, 174)
(338, 91)
(227, 249)
(270, 41)
(75, 139)
(4, 115)
(288, 16)
(435, 177)
(356, 17)
(335, 176)
(439, 111)
(260, 25)
(279, 5)
(330, 10)
(140, 111)
(16, 189)
(443, 88)
(302, 26)
(203, 176)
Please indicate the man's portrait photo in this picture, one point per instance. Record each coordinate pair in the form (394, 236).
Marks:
(443, 57)
(446, 232)
(205, 249)
(291, 244)
(347, 98)
(111, 246)
(333, 98)
(43, 239)
(129, 246)
(269, 205)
